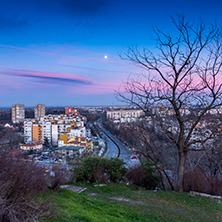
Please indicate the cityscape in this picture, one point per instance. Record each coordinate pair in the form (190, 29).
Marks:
(67, 135)
(110, 111)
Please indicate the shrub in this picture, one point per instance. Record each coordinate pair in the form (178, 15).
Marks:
(57, 178)
(116, 169)
(99, 169)
(197, 180)
(20, 181)
(144, 175)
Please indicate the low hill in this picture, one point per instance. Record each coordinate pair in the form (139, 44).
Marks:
(118, 202)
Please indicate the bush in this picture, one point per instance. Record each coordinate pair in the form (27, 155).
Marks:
(57, 178)
(144, 175)
(197, 180)
(20, 181)
(99, 169)
(116, 169)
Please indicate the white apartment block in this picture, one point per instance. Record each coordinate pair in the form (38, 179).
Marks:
(27, 131)
(124, 115)
(51, 126)
(18, 113)
(80, 132)
(55, 134)
(47, 130)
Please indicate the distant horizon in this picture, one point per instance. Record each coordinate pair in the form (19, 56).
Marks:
(2, 107)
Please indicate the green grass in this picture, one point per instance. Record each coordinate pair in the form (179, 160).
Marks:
(143, 205)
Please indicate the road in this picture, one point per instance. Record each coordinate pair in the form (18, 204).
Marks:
(112, 150)
(117, 149)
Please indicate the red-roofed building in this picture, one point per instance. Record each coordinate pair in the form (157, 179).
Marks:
(71, 110)
(31, 146)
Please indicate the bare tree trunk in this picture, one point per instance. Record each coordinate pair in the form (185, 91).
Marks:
(182, 162)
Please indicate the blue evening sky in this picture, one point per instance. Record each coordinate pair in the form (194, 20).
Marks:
(66, 52)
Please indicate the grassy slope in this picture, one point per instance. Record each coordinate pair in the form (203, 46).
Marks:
(144, 205)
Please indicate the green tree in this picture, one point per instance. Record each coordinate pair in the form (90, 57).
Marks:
(99, 169)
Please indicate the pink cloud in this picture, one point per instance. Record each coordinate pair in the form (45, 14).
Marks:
(48, 77)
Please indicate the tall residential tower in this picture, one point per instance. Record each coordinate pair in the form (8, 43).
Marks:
(18, 113)
(39, 111)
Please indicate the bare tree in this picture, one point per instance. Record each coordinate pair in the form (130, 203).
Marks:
(180, 84)
(9, 138)
(20, 183)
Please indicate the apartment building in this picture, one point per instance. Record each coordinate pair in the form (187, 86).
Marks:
(55, 133)
(47, 132)
(75, 141)
(28, 131)
(37, 133)
(39, 111)
(51, 126)
(121, 116)
(18, 113)
(80, 132)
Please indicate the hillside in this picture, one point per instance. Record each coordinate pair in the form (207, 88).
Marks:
(117, 202)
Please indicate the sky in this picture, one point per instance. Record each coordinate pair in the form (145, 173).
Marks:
(67, 52)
